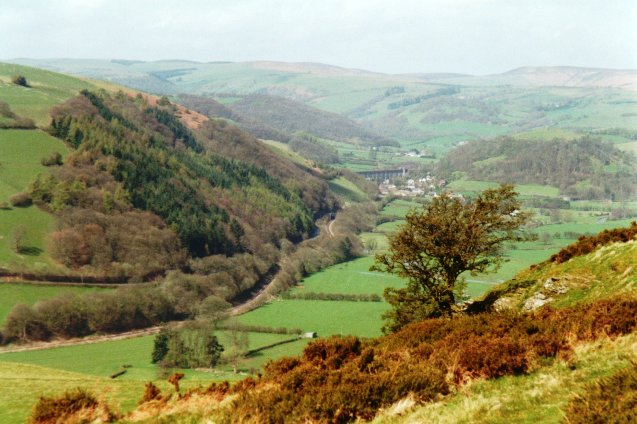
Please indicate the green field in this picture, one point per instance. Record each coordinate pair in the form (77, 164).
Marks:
(324, 317)
(26, 375)
(13, 293)
(347, 190)
(20, 155)
(22, 384)
(353, 277)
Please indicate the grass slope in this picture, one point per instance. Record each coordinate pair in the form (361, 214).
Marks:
(607, 271)
(20, 154)
(536, 398)
(46, 89)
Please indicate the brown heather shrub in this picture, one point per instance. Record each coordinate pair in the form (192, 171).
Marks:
(344, 379)
(585, 245)
(151, 392)
(609, 400)
(76, 405)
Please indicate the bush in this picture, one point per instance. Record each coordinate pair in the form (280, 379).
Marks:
(19, 80)
(54, 159)
(21, 200)
(71, 404)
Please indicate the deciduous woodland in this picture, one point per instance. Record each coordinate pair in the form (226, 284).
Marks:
(143, 195)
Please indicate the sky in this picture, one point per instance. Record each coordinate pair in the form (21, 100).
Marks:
(393, 36)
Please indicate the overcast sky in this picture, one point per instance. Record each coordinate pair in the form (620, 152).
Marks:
(394, 36)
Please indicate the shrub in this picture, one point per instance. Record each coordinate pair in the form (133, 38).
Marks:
(72, 403)
(21, 200)
(54, 159)
(151, 392)
(20, 80)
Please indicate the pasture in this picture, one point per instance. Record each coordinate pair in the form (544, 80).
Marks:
(20, 154)
(46, 89)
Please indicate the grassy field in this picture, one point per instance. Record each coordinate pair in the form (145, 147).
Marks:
(20, 155)
(13, 293)
(351, 277)
(46, 89)
(347, 190)
(22, 384)
(324, 317)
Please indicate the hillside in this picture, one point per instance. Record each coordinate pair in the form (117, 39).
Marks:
(287, 116)
(593, 268)
(433, 112)
(585, 168)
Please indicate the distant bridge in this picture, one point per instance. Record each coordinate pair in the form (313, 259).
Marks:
(381, 175)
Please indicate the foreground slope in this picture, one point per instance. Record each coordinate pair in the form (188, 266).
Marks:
(463, 369)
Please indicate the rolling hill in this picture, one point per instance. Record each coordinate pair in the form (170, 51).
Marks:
(420, 111)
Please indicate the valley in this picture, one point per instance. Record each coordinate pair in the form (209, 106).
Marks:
(249, 180)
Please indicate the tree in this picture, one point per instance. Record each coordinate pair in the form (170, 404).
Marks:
(17, 238)
(440, 242)
(160, 346)
(20, 80)
(236, 344)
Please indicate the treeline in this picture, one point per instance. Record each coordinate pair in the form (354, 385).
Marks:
(213, 109)
(293, 117)
(312, 148)
(586, 168)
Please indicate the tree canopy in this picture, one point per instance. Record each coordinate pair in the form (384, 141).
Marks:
(440, 242)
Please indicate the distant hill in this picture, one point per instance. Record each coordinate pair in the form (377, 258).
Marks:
(585, 168)
(432, 112)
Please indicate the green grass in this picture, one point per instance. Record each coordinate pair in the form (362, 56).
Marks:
(399, 207)
(472, 186)
(46, 89)
(101, 359)
(37, 224)
(325, 317)
(347, 190)
(20, 155)
(22, 384)
(13, 293)
(353, 277)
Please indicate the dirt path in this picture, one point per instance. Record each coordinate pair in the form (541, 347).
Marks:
(80, 341)
(329, 227)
